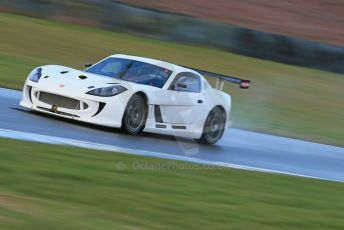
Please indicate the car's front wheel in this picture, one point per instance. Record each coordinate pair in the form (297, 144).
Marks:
(135, 115)
(214, 126)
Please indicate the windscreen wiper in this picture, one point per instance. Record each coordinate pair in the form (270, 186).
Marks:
(121, 75)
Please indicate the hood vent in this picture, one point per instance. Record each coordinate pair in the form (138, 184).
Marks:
(82, 77)
(64, 72)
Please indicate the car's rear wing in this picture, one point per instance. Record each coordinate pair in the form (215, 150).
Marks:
(220, 79)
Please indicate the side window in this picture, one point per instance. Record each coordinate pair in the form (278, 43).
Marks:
(187, 82)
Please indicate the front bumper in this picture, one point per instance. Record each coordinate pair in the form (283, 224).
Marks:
(87, 108)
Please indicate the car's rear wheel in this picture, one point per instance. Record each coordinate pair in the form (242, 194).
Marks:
(135, 115)
(214, 126)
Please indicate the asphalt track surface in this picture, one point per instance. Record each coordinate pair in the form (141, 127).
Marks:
(237, 147)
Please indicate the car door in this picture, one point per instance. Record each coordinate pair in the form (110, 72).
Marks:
(185, 99)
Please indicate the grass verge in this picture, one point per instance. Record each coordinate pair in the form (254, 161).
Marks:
(284, 100)
(53, 187)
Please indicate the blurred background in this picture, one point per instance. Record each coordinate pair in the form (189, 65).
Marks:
(293, 32)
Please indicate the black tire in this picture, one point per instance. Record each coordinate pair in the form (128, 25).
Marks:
(214, 126)
(135, 115)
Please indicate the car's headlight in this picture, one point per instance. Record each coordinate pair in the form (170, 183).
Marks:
(35, 75)
(107, 91)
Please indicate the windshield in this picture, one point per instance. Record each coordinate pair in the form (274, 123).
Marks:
(133, 71)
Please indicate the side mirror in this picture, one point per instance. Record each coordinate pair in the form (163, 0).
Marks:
(88, 65)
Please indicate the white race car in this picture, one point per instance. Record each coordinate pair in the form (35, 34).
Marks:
(136, 94)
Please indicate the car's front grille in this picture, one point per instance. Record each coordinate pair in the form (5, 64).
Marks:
(58, 112)
(59, 101)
